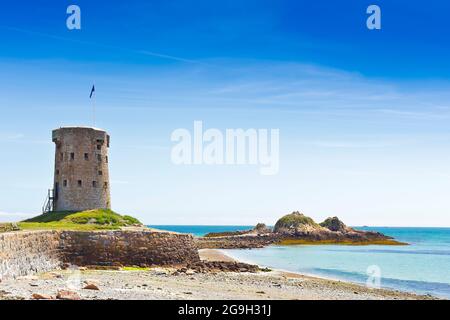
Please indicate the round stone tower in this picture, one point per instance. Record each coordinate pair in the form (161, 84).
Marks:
(81, 169)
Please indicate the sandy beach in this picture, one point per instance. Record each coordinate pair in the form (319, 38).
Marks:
(166, 283)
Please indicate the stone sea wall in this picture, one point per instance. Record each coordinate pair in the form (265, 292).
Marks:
(118, 248)
(24, 253)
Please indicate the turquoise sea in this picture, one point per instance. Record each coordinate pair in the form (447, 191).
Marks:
(422, 267)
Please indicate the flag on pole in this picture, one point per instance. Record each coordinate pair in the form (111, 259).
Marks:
(92, 91)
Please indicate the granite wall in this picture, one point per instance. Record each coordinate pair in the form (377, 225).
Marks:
(128, 248)
(81, 169)
(23, 253)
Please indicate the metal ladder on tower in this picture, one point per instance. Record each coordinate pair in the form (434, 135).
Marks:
(49, 202)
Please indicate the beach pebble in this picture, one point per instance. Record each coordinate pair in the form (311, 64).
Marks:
(37, 296)
(67, 295)
(90, 286)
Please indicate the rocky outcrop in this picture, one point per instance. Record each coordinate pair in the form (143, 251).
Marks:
(295, 222)
(296, 228)
(334, 224)
(243, 241)
(260, 228)
(227, 233)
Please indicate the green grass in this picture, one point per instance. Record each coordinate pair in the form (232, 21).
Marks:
(63, 226)
(99, 219)
(294, 220)
(135, 269)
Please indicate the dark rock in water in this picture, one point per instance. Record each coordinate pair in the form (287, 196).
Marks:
(334, 224)
(261, 228)
(226, 233)
(243, 241)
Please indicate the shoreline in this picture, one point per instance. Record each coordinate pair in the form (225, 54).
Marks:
(211, 254)
(169, 283)
(181, 280)
(289, 272)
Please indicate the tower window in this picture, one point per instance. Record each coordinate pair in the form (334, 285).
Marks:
(106, 184)
(57, 172)
(106, 159)
(86, 156)
(72, 156)
(100, 173)
(62, 156)
(94, 184)
(99, 157)
(65, 183)
(80, 183)
(99, 147)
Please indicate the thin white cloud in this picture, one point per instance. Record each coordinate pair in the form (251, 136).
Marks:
(117, 182)
(347, 144)
(100, 45)
(11, 136)
(16, 214)
(436, 114)
(284, 87)
(20, 137)
(151, 147)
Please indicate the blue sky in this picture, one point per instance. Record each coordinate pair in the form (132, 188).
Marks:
(363, 115)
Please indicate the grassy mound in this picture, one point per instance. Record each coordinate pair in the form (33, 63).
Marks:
(293, 221)
(99, 219)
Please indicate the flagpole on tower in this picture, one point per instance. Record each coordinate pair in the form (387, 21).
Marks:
(92, 97)
(93, 107)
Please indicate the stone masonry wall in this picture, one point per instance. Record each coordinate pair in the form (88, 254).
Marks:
(23, 253)
(81, 169)
(116, 248)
